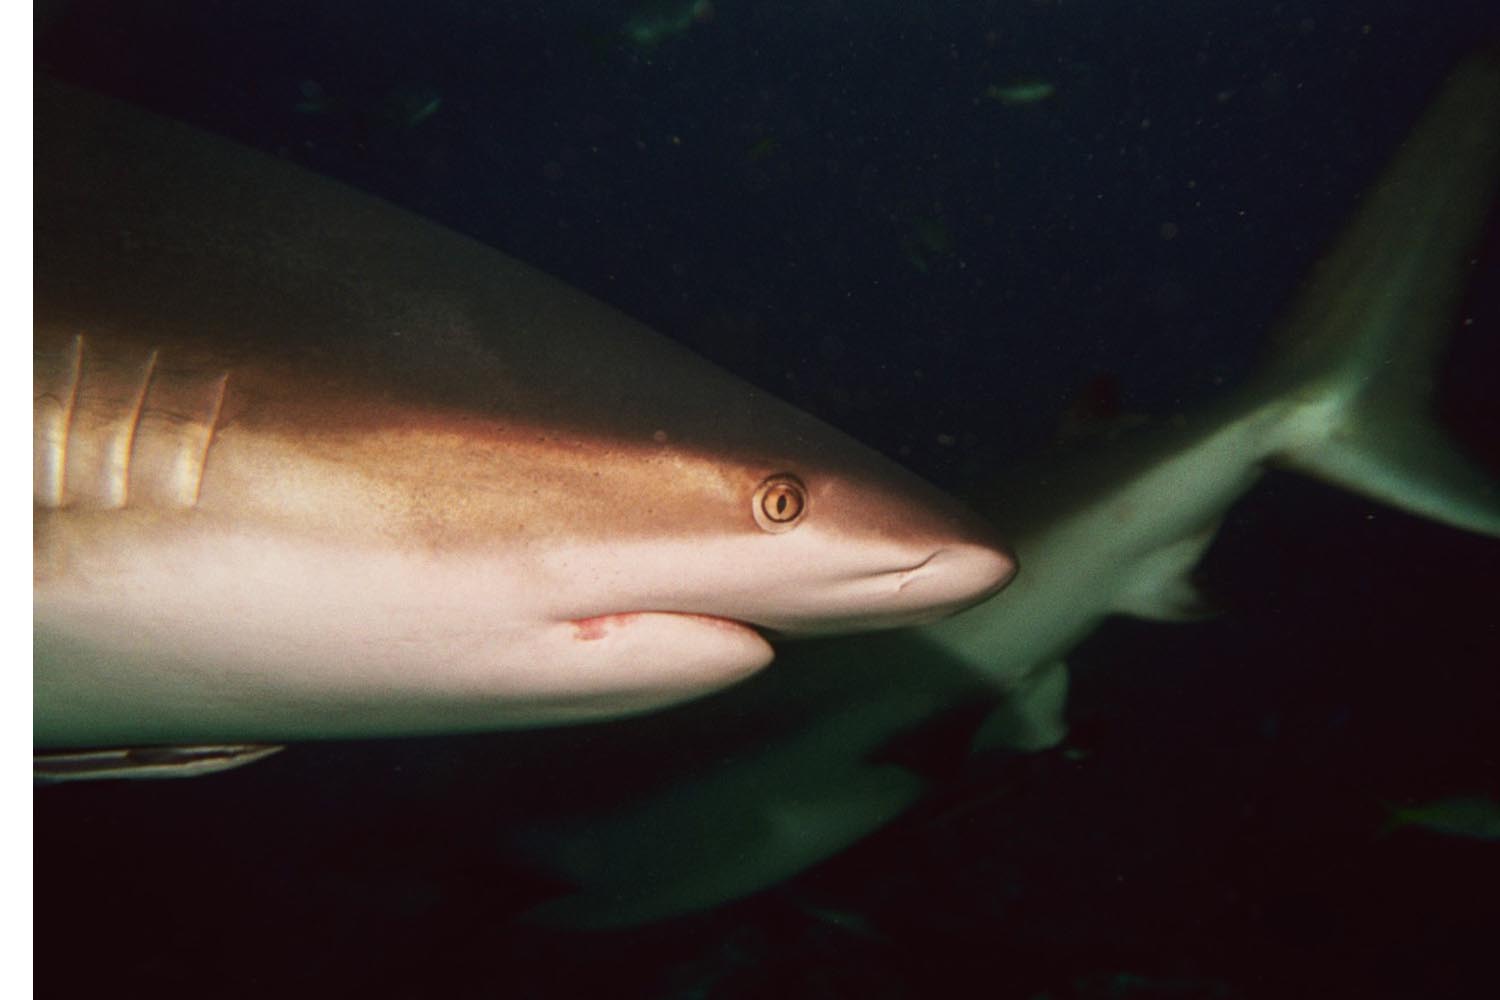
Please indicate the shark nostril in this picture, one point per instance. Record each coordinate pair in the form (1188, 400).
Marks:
(912, 574)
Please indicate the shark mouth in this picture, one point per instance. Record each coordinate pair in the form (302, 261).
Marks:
(602, 626)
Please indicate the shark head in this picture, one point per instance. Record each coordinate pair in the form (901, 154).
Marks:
(754, 513)
(672, 558)
(793, 547)
(308, 466)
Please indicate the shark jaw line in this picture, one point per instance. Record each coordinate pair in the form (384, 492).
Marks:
(597, 627)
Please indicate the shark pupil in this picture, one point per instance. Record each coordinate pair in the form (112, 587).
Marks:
(783, 503)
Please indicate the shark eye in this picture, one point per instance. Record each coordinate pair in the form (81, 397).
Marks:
(780, 501)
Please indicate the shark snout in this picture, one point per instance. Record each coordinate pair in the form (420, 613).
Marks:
(952, 558)
(949, 579)
(916, 591)
(905, 557)
(966, 573)
(938, 555)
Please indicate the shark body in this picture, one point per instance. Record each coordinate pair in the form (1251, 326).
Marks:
(307, 466)
(798, 764)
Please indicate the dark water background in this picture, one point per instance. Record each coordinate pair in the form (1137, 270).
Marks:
(821, 197)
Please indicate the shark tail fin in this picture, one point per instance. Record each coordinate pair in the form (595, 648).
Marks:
(1356, 360)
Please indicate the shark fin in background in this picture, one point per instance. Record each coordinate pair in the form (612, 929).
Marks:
(1413, 465)
(145, 762)
(1031, 718)
(1356, 359)
(1163, 589)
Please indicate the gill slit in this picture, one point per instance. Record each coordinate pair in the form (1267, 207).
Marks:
(61, 493)
(128, 444)
(208, 439)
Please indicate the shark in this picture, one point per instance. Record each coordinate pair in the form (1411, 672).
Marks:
(307, 466)
(802, 762)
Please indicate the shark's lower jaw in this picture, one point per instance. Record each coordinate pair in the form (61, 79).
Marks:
(637, 661)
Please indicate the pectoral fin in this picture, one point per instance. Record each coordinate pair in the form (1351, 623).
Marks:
(145, 762)
(1031, 718)
(1162, 589)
